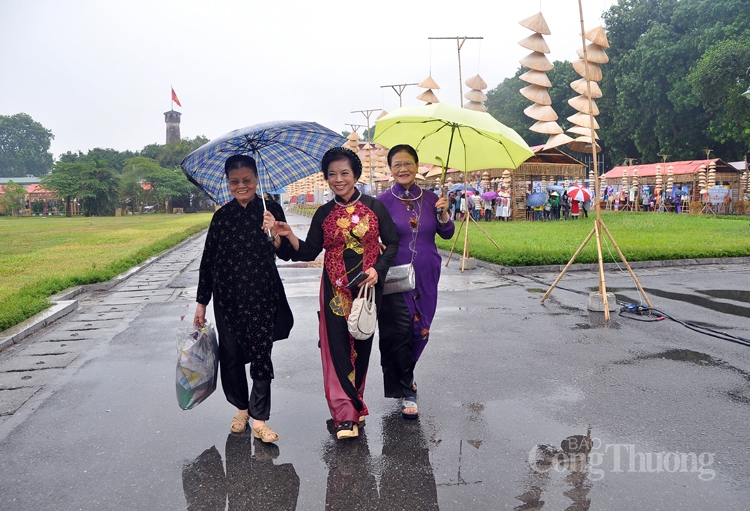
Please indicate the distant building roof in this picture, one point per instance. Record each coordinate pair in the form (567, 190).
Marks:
(678, 168)
(739, 165)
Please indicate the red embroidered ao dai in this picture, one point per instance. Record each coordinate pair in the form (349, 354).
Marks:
(350, 234)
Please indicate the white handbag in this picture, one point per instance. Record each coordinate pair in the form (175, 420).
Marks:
(363, 317)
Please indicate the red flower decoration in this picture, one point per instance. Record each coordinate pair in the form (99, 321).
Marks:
(413, 222)
(425, 332)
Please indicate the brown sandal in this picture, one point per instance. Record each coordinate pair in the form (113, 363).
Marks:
(265, 434)
(239, 423)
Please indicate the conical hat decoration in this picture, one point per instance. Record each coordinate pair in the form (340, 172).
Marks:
(594, 53)
(476, 82)
(582, 145)
(536, 78)
(580, 87)
(541, 112)
(476, 95)
(546, 127)
(535, 42)
(476, 106)
(429, 97)
(584, 132)
(428, 83)
(352, 141)
(584, 120)
(537, 94)
(537, 61)
(557, 140)
(595, 72)
(382, 113)
(581, 103)
(596, 35)
(536, 23)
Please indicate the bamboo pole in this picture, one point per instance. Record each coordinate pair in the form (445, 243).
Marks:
(567, 265)
(602, 284)
(486, 234)
(455, 240)
(630, 270)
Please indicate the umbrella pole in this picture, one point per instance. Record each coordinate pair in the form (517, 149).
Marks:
(568, 265)
(455, 240)
(263, 201)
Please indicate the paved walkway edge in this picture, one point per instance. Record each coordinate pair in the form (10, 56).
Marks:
(64, 304)
(557, 268)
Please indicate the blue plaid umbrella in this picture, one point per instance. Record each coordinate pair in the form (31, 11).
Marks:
(285, 151)
(536, 199)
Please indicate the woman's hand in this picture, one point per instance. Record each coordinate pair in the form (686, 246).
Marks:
(200, 315)
(282, 228)
(442, 203)
(372, 277)
(268, 222)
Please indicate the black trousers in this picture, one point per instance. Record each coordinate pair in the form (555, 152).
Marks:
(395, 325)
(232, 361)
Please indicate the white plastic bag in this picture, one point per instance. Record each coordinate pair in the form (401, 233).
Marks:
(197, 365)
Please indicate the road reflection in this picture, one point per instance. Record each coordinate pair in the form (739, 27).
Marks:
(406, 479)
(251, 481)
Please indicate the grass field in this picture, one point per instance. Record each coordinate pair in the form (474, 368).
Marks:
(40, 256)
(641, 237)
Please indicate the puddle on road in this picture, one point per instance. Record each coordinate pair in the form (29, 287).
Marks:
(736, 295)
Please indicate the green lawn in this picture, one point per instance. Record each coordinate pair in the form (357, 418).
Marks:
(40, 256)
(640, 236)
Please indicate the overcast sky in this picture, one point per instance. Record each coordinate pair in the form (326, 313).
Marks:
(97, 73)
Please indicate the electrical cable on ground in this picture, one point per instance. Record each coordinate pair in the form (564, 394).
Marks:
(649, 312)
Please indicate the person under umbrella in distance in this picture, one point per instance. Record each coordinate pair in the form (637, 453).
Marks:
(348, 228)
(414, 211)
(238, 270)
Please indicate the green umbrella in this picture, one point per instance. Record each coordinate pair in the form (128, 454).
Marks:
(463, 139)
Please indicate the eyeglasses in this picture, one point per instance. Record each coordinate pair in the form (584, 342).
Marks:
(408, 165)
(236, 182)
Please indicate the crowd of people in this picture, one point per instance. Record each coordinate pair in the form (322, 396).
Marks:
(362, 236)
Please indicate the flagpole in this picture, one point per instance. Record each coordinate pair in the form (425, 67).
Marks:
(171, 95)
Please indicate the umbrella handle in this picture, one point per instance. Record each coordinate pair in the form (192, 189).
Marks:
(442, 183)
(269, 238)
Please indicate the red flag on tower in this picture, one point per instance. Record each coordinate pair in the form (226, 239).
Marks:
(174, 98)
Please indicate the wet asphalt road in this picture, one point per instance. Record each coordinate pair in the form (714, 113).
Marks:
(522, 405)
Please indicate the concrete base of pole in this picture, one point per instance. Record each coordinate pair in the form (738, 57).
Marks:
(469, 263)
(596, 302)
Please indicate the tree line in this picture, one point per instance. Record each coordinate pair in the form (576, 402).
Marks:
(101, 180)
(672, 86)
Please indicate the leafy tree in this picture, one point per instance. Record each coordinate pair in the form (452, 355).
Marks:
(24, 146)
(718, 81)
(650, 103)
(171, 155)
(94, 183)
(11, 200)
(144, 181)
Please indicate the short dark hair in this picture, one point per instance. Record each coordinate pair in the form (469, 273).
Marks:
(239, 161)
(339, 154)
(402, 147)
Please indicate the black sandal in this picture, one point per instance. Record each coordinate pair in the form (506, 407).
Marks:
(347, 429)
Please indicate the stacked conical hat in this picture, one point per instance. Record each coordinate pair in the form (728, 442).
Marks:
(670, 180)
(635, 178)
(711, 181)
(506, 179)
(352, 141)
(657, 188)
(702, 179)
(475, 96)
(541, 111)
(587, 89)
(624, 179)
(428, 96)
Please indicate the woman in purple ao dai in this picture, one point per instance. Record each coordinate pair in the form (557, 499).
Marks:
(409, 315)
